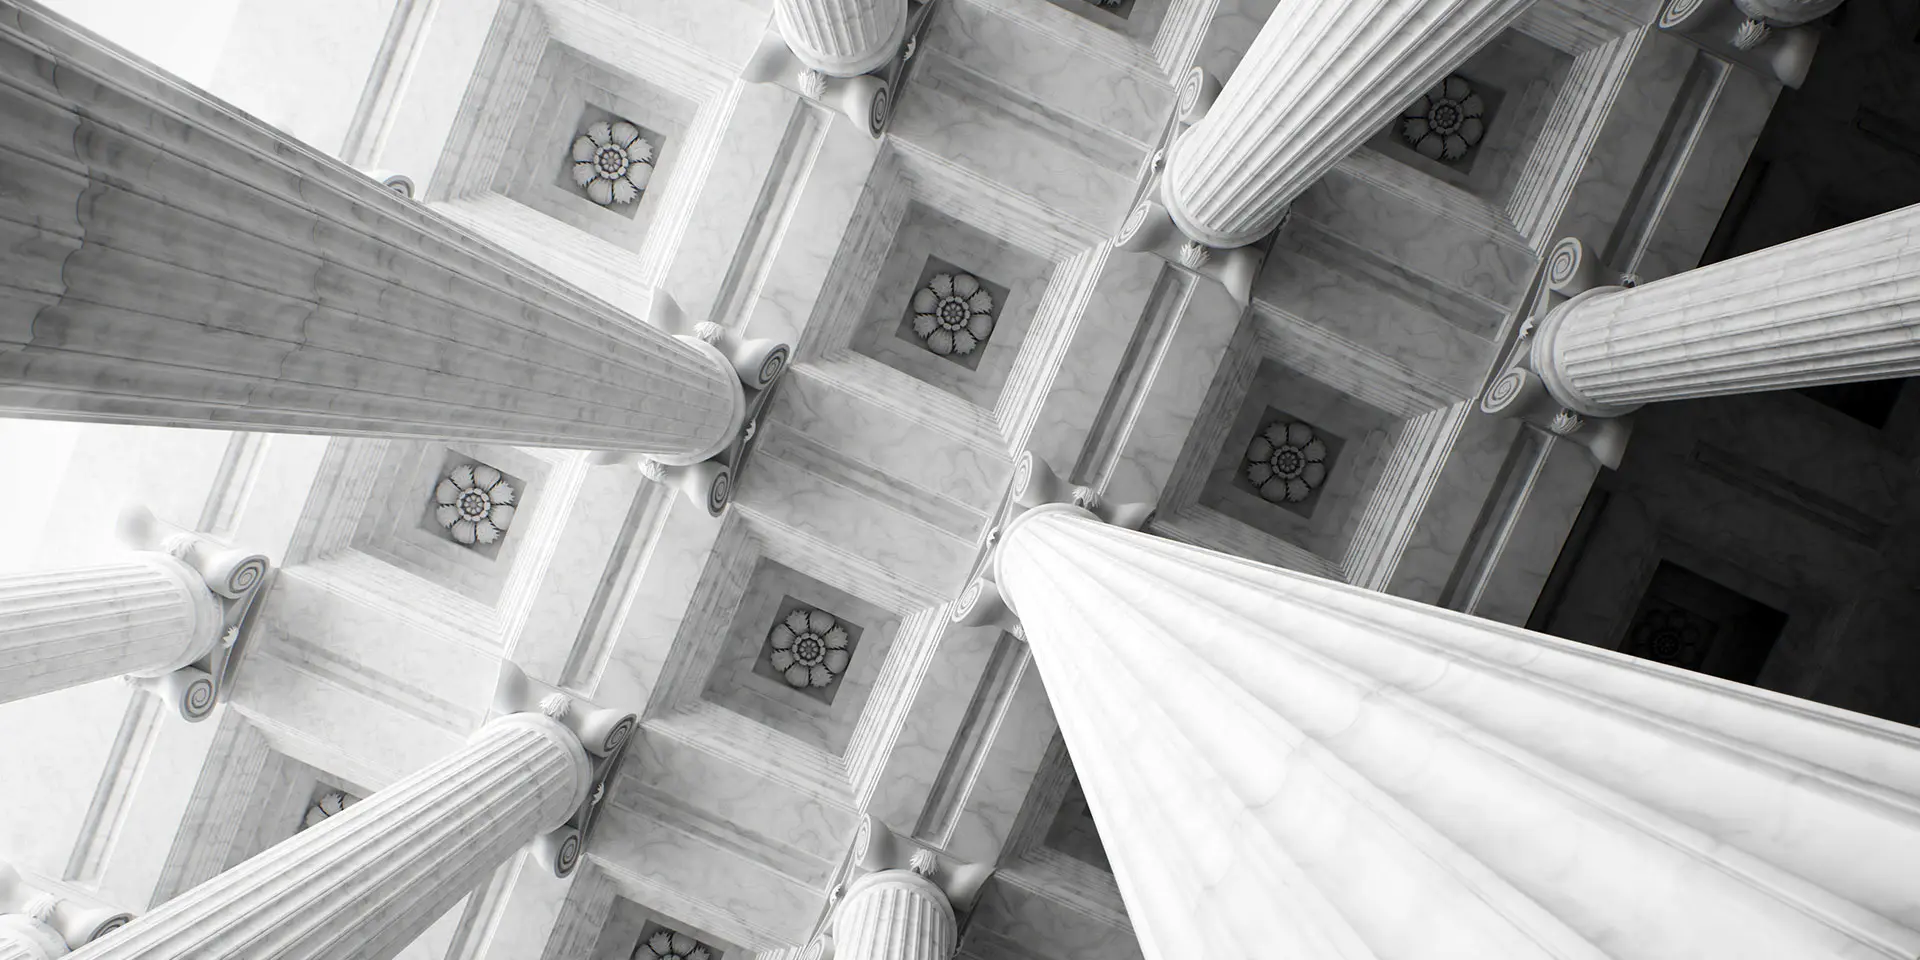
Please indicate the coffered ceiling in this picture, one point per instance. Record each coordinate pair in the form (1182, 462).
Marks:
(952, 301)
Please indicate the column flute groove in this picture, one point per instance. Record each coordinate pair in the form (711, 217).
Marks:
(145, 616)
(1321, 77)
(364, 884)
(1341, 773)
(842, 38)
(1838, 306)
(174, 262)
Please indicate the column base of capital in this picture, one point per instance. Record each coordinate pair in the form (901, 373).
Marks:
(1520, 394)
(1151, 228)
(1777, 50)
(865, 61)
(1541, 359)
(861, 97)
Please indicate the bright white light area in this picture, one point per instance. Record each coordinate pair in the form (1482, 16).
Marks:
(33, 461)
(184, 37)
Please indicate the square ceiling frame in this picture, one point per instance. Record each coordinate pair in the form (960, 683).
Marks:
(1424, 421)
(830, 345)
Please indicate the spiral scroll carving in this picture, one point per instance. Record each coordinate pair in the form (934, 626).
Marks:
(720, 492)
(1504, 391)
(1022, 476)
(109, 925)
(863, 840)
(197, 700)
(968, 599)
(1136, 219)
(1676, 12)
(568, 856)
(245, 575)
(773, 366)
(1563, 264)
(1190, 87)
(621, 732)
(879, 111)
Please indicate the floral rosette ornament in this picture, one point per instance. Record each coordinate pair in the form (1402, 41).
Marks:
(330, 804)
(809, 648)
(1447, 122)
(1285, 462)
(671, 945)
(474, 503)
(612, 162)
(1670, 636)
(953, 313)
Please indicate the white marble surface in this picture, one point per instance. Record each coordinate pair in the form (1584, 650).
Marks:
(1315, 84)
(1363, 735)
(718, 889)
(944, 116)
(968, 476)
(1465, 479)
(1063, 62)
(517, 777)
(1155, 436)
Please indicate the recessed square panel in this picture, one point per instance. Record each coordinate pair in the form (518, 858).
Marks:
(997, 284)
(1448, 123)
(1475, 128)
(952, 312)
(1288, 460)
(1299, 460)
(1691, 622)
(789, 632)
(808, 648)
(1073, 831)
(473, 504)
(610, 160)
(570, 93)
(634, 932)
(401, 523)
(327, 801)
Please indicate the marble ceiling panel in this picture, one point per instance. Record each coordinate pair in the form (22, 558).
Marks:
(1067, 71)
(725, 893)
(1305, 457)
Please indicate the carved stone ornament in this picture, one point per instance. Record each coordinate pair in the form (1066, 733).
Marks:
(326, 805)
(1447, 122)
(953, 313)
(475, 503)
(667, 944)
(612, 162)
(808, 648)
(1286, 462)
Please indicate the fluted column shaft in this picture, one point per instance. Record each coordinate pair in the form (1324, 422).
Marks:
(172, 261)
(1285, 766)
(1837, 306)
(894, 915)
(842, 38)
(145, 616)
(365, 883)
(24, 938)
(1321, 78)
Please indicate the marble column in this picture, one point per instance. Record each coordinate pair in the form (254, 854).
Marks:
(364, 884)
(38, 924)
(24, 938)
(145, 616)
(1837, 306)
(1321, 78)
(842, 38)
(894, 915)
(172, 261)
(1286, 766)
